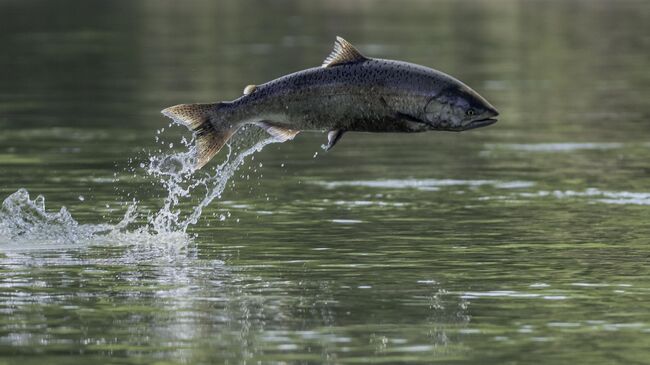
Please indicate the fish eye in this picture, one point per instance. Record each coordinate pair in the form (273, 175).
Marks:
(470, 112)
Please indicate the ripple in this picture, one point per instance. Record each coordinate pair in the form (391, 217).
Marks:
(555, 147)
(56, 133)
(602, 196)
(414, 348)
(593, 194)
(346, 221)
(425, 184)
(367, 203)
(499, 293)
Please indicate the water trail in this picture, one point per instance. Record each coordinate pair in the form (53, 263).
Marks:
(25, 220)
(217, 182)
(176, 173)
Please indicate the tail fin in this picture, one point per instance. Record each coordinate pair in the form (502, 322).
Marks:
(210, 131)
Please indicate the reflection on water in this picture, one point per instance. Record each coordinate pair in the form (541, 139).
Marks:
(524, 242)
(429, 184)
(558, 147)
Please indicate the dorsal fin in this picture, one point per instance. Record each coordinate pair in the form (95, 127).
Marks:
(343, 52)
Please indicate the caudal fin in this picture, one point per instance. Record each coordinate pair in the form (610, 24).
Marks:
(211, 132)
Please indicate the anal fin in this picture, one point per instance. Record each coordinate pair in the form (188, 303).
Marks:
(332, 138)
(280, 132)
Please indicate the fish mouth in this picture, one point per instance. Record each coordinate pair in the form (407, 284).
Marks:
(479, 123)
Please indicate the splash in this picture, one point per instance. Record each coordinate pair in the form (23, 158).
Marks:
(27, 219)
(177, 175)
(23, 219)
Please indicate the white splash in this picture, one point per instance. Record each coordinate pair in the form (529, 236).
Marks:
(23, 220)
(177, 174)
(27, 219)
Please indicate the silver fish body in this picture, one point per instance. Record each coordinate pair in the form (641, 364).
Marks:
(349, 93)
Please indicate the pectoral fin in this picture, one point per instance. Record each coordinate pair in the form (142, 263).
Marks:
(332, 138)
(280, 132)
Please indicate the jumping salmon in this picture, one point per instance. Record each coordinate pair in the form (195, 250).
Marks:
(348, 93)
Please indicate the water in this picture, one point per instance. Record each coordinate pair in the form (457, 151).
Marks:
(524, 242)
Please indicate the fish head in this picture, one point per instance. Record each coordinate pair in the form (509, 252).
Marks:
(458, 108)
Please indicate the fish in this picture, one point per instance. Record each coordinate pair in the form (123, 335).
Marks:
(349, 92)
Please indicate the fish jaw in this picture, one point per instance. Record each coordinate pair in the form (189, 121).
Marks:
(479, 124)
(487, 118)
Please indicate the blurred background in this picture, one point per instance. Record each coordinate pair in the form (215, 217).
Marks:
(575, 70)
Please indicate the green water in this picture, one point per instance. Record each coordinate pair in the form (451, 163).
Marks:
(527, 242)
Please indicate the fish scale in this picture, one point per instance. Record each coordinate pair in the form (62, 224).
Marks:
(348, 93)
